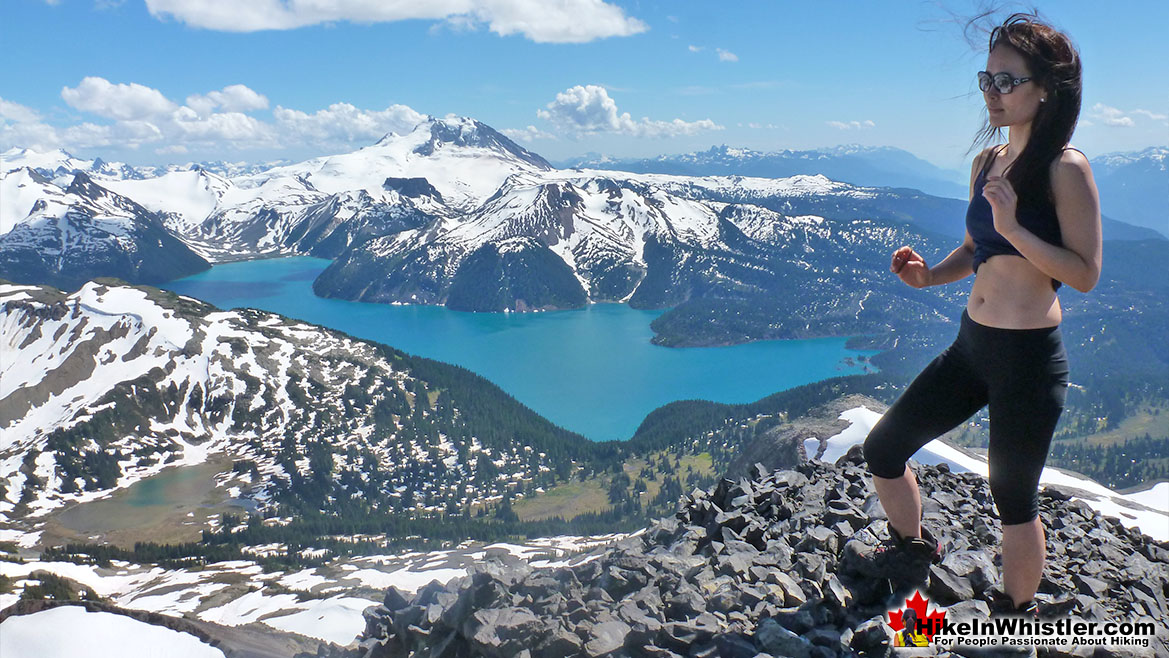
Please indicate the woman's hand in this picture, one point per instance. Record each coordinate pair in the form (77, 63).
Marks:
(1003, 203)
(911, 268)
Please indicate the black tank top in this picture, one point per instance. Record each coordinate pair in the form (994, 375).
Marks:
(1037, 216)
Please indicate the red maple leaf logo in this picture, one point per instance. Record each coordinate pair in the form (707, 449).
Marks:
(929, 623)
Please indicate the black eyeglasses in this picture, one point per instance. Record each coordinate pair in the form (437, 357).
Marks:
(1004, 82)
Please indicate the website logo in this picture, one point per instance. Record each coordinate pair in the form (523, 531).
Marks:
(915, 624)
(919, 624)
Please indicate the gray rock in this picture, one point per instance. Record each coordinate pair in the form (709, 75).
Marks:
(724, 570)
(559, 642)
(1090, 586)
(726, 598)
(793, 595)
(685, 604)
(796, 620)
(825, 636)
(680, 635)
(835, 593)
(734, 645)
(976, 567)
(395, 599)
(606, 638)
(947, 588)
(653, 651)
(873, 638)
(818, 538)
(773, 638)
(503, 631)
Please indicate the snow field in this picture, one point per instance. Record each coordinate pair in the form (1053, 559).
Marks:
(1146, 511)
(94, 635)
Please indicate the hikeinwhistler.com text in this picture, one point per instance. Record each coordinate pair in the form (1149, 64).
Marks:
(1021, 632)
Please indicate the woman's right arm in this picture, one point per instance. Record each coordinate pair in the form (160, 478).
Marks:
(911, 267)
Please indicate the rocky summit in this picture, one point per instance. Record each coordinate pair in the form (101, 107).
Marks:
(755, 567)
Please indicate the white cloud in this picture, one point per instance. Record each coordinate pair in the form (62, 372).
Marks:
(1152, 115)
(144, 115)
(234, 128)
(1111, 116)
(212, 121)
(723, 55)
(232, 98)
(37, 136)
(117, 101)
(851, 125)
(342, 123)
(458, 23)
(125, 134)
(586, 109)
(1117, 118)
(528, 134)
(565, 21)
(10, 111)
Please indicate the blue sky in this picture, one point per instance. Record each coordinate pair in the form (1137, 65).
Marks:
(179, 80)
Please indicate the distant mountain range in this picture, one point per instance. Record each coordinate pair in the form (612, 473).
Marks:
(1134, 187)
(455, 213)
(865, 166)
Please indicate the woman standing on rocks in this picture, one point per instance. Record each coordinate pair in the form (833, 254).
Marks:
(1033, 222)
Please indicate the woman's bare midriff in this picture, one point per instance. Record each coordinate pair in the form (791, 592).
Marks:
(1011, 293)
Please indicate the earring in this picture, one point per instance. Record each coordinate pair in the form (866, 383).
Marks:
(1042, 100)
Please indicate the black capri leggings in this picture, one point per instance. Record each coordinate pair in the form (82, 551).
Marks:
(1021, 373)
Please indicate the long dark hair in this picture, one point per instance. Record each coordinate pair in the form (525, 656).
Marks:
(1055, 65)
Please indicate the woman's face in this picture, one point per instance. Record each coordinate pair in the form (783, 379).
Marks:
(1021, 105)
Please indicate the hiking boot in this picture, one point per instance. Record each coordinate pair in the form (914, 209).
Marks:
(899, 559)
(1002, 605)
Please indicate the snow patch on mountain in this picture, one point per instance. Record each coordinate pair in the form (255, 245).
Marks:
(458, 156)
(334, 595)
(69, 631)
(191, 195)
(1147, 511)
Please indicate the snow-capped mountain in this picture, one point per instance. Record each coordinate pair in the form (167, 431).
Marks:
(463, 159)
(84, 231)
(288, 215)
(20, 190)
(859, 165)
(44, 162)
(339, 199)
(1134, 187)
(59, 164)
(403, 215)
(559, 239)
(108, 385)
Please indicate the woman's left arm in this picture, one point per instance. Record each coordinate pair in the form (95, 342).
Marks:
(1077, 204)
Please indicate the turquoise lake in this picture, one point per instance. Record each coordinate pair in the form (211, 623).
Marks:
(592, 371)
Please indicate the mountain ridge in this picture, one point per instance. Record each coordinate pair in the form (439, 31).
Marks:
(114, 383)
